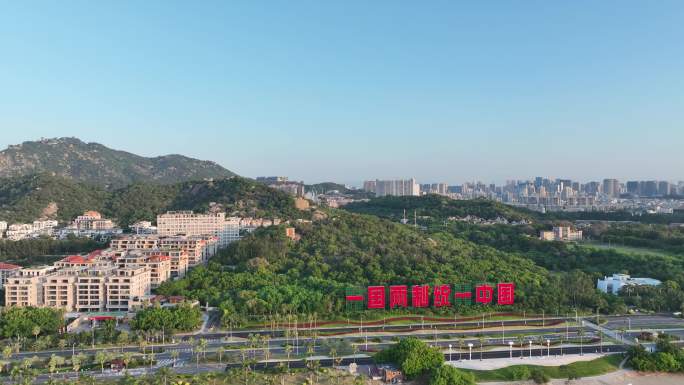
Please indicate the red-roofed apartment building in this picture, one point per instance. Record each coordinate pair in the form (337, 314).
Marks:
(7, 269)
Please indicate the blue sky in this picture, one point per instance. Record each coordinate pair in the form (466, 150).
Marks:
(321, 90)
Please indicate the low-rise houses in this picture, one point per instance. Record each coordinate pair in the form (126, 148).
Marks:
(90, 225)
(143, 227)
(561, 233)
(617, 282)
(19, 231)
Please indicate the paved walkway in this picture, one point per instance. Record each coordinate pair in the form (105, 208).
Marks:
(498, 363)
(619, 377)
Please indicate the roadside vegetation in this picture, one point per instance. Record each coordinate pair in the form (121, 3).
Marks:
(417, 360)
(542, 374)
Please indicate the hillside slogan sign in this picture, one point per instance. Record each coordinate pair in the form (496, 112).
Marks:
(421, 296)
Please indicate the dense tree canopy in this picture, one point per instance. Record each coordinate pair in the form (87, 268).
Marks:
(179, 318)
(25, 321)
(24, 199)
(413, 356)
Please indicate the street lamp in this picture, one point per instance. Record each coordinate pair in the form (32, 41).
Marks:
(510, 349)
(470, 351)
(548, 347)
(530, 348)
(449, 352)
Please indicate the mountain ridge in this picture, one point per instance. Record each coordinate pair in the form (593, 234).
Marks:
(96, 164)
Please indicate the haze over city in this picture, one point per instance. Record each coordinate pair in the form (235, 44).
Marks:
(450, 92)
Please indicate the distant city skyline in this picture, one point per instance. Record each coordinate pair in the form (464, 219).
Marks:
(320, 91)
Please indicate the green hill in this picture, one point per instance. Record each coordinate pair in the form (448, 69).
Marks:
(26, 198)
(267, 273)
(438, 207)
(99, 165)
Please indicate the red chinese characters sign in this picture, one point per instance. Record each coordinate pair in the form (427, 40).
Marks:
(442, 295)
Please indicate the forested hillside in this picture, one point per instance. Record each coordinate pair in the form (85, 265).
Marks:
(438, 207)
(666, 264)
(27, 198)
(98, 165)
(268, 273)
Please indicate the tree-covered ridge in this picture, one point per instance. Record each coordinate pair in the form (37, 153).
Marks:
(438, 207)
(98, 165)
(651, 236)
(267, 273)
(26, 198)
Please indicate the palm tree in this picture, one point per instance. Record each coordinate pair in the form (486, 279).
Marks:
(461, 343)
(101, 357)
(7, 352)
(288, 351)
(580, 334)
(35, 331)
(481, 339)
(521, 340)
(174, 356)
(219, 351)
(76, 363)
(165, 374)
(202, 345)
(127, 357)
(54, 363)
(355, 351)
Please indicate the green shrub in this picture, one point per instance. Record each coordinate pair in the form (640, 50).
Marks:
(520, 373)
(539, 377)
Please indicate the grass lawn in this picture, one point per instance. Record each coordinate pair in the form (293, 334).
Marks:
(595, 367)
(628, 249)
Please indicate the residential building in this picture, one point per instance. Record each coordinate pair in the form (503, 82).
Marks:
(6, 270)
(271, 179)
(408, 187)
(59, 289)
(189, 223)
(91, 292)
(92, 220)
(369, 186)
(3, 227)
(616, 282)
(178, 258)
(143, 227)
(126, 286)
(561, 233)
(228, 232)
(25, 286)
(611, 187)
(158, 265)
(19, 231)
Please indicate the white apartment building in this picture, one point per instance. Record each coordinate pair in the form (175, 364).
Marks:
(229, 232)
(189, 223)
(19, 231)
(616, 282)
(408, 187)
(561, 233)
(3, 227)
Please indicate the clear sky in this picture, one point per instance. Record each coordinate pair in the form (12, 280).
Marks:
(349, 90)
